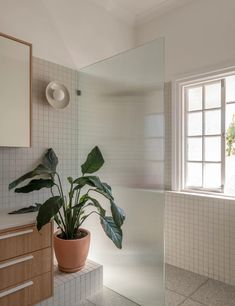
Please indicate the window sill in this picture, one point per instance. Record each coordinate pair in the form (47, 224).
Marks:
(210, 195)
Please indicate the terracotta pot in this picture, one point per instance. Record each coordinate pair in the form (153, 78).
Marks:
(71, 254)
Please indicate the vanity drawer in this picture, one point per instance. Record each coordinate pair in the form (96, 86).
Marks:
(23, 268)
(22, 240)
(27, 293)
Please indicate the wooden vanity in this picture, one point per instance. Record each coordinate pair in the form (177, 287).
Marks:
(26, 264)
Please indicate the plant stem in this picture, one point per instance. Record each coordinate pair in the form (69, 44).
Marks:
(61, 219)
(93, 212)
(64, 208)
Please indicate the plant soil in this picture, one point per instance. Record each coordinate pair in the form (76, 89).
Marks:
(80, 234)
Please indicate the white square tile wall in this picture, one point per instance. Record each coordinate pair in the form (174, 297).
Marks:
(51, 128)
(71, 289)
(199, 235)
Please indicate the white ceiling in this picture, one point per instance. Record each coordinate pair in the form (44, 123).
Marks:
(139, 11)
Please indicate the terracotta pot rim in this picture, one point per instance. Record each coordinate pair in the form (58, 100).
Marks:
(67, 240)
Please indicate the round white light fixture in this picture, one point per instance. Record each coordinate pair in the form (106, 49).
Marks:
(57, 95)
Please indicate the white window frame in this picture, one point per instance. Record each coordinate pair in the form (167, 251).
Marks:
(179, 128)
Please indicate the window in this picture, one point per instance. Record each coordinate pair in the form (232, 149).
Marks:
(207, 132)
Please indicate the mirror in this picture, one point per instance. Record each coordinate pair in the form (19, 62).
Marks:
(15, 92)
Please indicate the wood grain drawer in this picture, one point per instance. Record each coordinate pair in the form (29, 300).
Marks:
(23, 268)
(27, 293)
(25, 239)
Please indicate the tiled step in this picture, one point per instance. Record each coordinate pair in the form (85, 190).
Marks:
(73, 288)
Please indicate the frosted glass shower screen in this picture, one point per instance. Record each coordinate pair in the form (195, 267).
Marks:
(121, 110)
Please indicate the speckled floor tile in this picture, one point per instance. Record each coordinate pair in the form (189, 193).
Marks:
(215, 293)
(85, 303)
(189, 302)
(173, 298)
(110, 298)
(182, 281)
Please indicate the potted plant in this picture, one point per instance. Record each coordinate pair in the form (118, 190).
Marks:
(71, 241)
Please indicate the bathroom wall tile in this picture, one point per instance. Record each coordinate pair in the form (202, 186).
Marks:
(72, 289)
(78, 290)
(53, 128)
(199, 233)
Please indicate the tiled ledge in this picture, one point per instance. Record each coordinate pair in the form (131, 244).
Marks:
(71, 289)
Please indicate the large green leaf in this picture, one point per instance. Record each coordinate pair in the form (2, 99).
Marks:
(82, 181)
(25, 210)
(97, 205)
(94, 181)
(118, 214)
(48, 210)
(50, 160)
(35, 185)
(112, 230)
(39, 170)
(93, 162)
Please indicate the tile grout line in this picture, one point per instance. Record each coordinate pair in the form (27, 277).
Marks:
(189, 297)
(178, 294)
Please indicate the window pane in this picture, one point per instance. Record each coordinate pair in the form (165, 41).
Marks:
(195, 98)
(213, 148)
(212, 122)
(194, 174)
(230, 89)
(212, 176)
(213, 95)
(195, 149)
(195, 124)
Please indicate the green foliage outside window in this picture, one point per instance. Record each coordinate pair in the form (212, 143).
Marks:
(230, 138)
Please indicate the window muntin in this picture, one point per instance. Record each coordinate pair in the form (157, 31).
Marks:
(204, 136)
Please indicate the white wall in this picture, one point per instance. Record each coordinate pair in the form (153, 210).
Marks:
(198, 36)
(72, 33)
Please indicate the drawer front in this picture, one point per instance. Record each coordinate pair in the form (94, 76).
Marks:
(24, 240)
(28, 293)
(23, 268)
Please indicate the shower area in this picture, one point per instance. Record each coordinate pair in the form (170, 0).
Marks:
(121, 109)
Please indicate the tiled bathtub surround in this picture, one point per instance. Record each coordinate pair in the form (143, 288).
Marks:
(200, 235)
(50, 128)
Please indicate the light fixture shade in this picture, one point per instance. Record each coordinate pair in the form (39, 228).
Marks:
(57, 95)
